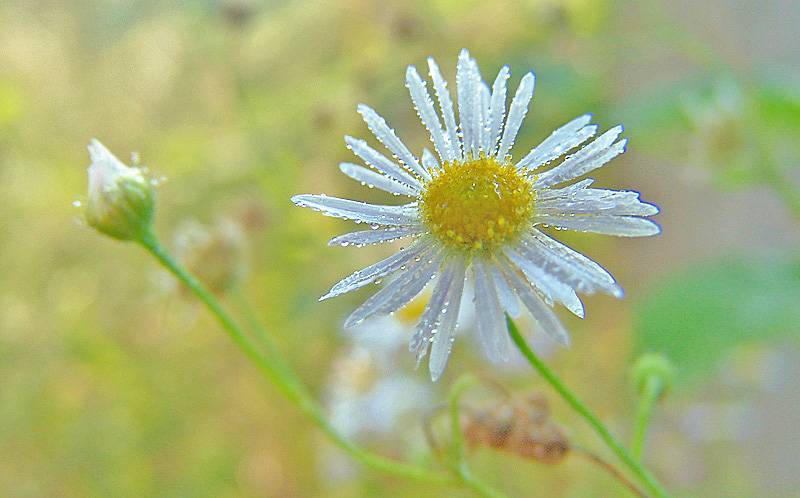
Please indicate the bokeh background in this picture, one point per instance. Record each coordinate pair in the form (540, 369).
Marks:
(114, 382)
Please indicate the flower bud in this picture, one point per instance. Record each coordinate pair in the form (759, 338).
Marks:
(653, 367)
(120, 200)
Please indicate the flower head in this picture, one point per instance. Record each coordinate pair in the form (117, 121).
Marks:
(475, 213)
(120, 199)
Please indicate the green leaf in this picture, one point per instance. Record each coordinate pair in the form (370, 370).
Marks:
(696, 315)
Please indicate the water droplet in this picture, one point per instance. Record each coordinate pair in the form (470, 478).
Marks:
(77, 203)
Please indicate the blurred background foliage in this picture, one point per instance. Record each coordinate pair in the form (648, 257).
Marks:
(113, 382)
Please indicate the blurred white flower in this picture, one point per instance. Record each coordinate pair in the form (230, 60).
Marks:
(369, 393)
(475, 212)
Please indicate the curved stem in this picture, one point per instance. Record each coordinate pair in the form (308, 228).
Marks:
(608, 467)
(286, 381)
(459, 470)
(634, 465)
(459, 464)
(475, 484)
(456, 436)
(650, 393)
(256, 325)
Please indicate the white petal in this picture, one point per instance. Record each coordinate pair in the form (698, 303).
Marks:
(106, 170)
(381, 162)
(468, 111)
(446, 106)
(590, 157)
(436, 308)
(497, 109)
(621, 226)
(560, 142)
(444, 337)
(485, 96)
(491, 320)
(516, 113)
(570, 266)
(598, 201)
(429, 321)
(427, 114)
(387, 137)
(566, 192)
(543, 315)
(504, 291)
(374, 179)
(379, 270)
(359, 211)
(550, 286)
(429, 161)
(399, 291)
(363, 237)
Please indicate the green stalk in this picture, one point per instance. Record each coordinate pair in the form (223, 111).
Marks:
(633, 464)
(457, 463)
(456, 436)
(459, 469)
(650, 394)
(286, 381)
(475, 484)
(256, 325)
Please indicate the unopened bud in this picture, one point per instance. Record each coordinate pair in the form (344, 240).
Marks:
(120, 200)
(653, 367)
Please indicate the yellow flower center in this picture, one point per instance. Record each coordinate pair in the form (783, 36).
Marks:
(478, 204)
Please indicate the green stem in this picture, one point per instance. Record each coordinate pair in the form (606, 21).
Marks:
(650, 394)
(286, 381)
(633, 464)
(246, 309)
(608, 467)
(456, 436)
(458, 463)
(481, 488)
(459, 470)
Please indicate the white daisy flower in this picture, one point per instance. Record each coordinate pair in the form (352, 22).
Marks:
(475, 213)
